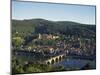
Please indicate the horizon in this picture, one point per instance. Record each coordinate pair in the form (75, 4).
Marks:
(53, 12)
(52, 20)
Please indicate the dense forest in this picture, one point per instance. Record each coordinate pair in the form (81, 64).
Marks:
(52, 27)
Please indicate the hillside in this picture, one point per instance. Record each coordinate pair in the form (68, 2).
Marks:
(45, 26)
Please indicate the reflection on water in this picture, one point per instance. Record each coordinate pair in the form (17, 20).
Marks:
(75, 63)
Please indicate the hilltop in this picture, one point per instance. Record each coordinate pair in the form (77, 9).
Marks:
(52, 27)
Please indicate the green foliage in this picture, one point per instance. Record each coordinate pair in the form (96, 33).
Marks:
(16, 67)
(44, 26)
(17, 41)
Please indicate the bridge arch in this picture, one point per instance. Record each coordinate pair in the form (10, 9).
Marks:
(55, 59)
(63, 57)
(60, 58)
(52, 61)
(48, 63)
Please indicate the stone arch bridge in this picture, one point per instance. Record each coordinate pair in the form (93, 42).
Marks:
(55, 59)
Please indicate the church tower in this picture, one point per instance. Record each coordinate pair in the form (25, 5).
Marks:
(40, 36)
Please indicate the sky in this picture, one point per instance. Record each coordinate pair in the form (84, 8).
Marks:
(54, 12)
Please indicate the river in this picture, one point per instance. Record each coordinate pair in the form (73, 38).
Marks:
(75, 63)
(67, 62)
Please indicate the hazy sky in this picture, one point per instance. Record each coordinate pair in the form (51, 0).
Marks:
(54, 12)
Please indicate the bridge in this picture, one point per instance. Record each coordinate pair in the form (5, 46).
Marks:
(55, 59)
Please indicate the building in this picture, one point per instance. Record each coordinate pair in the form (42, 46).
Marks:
(47, 36)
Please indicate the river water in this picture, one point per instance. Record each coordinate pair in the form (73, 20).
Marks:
(75, 63)
(68, 62)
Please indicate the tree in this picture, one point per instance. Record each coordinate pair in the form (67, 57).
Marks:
(17, 41)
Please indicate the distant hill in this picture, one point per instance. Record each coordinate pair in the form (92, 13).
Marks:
(46, 26)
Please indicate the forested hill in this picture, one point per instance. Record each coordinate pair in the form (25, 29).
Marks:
(46, 26)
